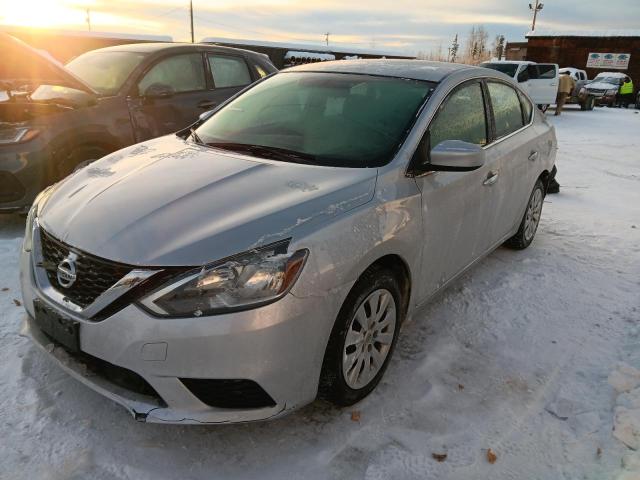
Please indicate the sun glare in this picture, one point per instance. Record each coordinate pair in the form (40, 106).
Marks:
(41, 13)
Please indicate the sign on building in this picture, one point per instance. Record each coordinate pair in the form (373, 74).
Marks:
(617, 61)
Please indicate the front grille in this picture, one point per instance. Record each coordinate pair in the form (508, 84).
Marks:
(229, 393)
(94, 275)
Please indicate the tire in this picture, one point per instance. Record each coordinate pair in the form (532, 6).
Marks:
(345, 390)
(530, 220)
(587, 104)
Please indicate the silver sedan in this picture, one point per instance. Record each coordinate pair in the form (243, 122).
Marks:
(269, 255)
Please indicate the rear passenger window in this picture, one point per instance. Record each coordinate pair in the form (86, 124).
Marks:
(461, 117)
(527, 107)
(229, 71)
(507, 110)
(546, 71)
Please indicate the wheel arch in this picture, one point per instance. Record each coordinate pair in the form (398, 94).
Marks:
(401, 270)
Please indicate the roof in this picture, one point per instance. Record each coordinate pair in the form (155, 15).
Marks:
(81, 33)
(414, 69)
(155, 47)
(304, 46)
(585, 33)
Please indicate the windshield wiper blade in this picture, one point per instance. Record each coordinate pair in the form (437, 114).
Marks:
(274, 153)
(196, 137)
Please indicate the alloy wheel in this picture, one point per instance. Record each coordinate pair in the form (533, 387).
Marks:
(533, 215)
(369, 338)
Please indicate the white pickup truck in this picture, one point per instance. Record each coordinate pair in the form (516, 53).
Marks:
(539, 80)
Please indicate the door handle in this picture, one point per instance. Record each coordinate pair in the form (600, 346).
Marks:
(491, 179)
(533, 156)
(206, 104)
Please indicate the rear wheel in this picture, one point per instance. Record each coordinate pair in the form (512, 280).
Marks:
(362, 339)
(529, 224)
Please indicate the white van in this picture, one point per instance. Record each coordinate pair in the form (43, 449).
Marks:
(539, 80)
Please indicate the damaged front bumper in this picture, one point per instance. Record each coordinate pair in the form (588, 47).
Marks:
(143, 408)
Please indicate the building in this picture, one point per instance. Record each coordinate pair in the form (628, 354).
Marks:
(63, 45)
(595, 52)
(284, 54)
(516, 51)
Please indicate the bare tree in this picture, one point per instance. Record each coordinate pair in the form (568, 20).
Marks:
(476, 50)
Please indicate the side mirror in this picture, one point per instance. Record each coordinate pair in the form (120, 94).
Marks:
(158, 90)
(456, 156)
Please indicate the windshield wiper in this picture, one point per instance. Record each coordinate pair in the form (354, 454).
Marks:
(264, 151)
(196, 137)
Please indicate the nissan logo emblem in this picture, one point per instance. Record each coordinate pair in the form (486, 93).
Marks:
(66, 273)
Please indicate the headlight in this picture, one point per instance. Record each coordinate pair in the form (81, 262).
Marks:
(17, 135)
(583, 91)
(612, 92)
(240, 282)
(38, 203)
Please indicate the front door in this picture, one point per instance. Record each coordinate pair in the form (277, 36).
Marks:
(170, 96)
(456, 205)
(543, 86)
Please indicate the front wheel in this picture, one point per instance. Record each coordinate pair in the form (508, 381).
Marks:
(529, 224)
(362, 339)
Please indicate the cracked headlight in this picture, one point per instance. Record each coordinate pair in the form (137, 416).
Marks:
(241, 282)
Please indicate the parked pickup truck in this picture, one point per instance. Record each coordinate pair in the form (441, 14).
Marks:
(605, 87)
(581, 94)
(539, 80)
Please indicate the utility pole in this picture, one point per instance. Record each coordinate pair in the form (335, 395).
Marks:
(536, 8)
(191, 18)
(326, 38)
(88, 19)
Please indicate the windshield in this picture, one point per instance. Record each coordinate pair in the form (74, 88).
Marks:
(331, 119)
(606, 79)
(105, 71)
(506, 68)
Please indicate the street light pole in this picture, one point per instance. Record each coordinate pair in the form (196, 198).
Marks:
(191, 18)
(536, 8)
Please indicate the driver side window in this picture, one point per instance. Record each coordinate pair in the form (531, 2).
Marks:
(461, 117)
(182, 73)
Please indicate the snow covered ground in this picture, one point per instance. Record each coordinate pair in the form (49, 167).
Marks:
(520, 356)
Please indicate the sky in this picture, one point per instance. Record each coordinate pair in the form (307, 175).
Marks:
(407, 26)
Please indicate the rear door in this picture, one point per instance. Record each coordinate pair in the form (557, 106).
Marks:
(170, 95)
(514, 147)
(230, 74)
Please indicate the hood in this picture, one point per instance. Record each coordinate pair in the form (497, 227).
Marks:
(170, 202)
(601, 86)
(24, 64)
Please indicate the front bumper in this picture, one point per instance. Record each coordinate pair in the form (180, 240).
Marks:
(280, 347)
(23, 174)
